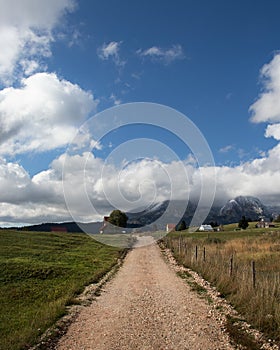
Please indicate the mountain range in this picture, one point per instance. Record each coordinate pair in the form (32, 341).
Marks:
(158, 215)
(233, 210)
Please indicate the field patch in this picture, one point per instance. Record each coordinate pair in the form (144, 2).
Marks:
(41, 273)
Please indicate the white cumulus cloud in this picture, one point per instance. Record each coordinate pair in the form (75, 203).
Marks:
(267, 106)
(42, 114)
(273, 130)
(26, 34)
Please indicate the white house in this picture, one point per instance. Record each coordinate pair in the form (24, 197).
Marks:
(207, 228)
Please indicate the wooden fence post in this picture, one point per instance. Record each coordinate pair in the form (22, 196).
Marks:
(196, 252)
(231, 266)
(254, 274)
(204, 254)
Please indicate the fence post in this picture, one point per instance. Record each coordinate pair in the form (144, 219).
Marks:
(196, 250)
(204, 254)
(254, 274)
(231, 266)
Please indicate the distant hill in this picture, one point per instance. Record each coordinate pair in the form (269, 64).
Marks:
(92, 227)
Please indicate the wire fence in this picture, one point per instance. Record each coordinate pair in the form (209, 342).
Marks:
(252, 285)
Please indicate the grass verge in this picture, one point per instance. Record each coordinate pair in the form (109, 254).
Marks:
(239, 335)
(194, 286)
(41, 273)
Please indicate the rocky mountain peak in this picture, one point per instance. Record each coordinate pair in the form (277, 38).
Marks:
(249, 206)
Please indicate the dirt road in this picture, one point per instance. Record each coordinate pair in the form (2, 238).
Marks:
(146, 306)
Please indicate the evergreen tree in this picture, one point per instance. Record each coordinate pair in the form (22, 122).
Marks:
(182, 226)
(243, 223)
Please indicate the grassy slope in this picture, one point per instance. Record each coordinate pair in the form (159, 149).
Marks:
(39, 274)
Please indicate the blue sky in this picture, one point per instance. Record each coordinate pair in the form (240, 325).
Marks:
(224, 45)
(217, 62)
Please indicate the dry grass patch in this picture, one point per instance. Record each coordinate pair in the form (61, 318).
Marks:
(225, 260)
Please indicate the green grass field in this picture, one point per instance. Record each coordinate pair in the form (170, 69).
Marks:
(225, 259)
(41, 273)
(229, 232)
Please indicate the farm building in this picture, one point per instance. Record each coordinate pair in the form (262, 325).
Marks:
(170, 227)
(105, 224)
(206, 228)
(58, 229)
(264, 223)
(107, 227)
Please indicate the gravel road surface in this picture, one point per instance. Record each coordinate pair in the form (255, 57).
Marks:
(146, 306)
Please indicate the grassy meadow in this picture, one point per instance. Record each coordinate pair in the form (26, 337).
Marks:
(243, 265)
(41, 273)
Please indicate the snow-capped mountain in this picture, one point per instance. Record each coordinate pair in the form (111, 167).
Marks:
(249, 206)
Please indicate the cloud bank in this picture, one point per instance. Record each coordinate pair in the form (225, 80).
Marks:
(41, 197)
